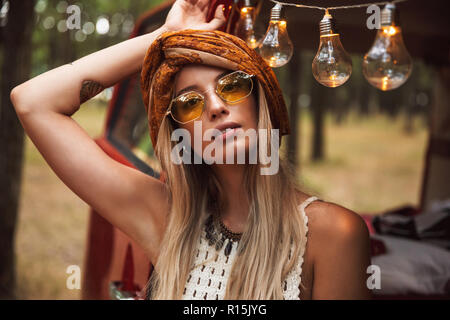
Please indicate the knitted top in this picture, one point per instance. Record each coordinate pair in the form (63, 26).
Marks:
(207, 280)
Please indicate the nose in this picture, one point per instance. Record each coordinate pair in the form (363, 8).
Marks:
(215, 106)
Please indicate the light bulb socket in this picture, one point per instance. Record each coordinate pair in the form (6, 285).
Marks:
(247, 3)
(275, 13)
(389, 16)
(327, 25)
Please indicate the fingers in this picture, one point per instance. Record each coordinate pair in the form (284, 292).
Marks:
(219, 18)
(203, 4)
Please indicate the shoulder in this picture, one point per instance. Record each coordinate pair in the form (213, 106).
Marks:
(335, 227)
(339, 245)
(338, 251)
(331, 219)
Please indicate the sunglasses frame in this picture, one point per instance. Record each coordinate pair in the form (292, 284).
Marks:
(169, 109)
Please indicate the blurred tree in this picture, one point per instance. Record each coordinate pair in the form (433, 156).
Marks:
(16, 50)
(363, 90)
(61, 46)
(54, 45)
(294, 112)
(319, 96)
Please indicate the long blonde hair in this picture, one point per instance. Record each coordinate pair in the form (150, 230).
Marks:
(274, 224)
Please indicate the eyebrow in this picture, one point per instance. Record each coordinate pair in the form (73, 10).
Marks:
(188, 88)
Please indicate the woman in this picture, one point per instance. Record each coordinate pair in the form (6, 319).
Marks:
(254, 227)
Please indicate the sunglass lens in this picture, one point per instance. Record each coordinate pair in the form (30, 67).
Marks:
(235, 86)
(187, 107)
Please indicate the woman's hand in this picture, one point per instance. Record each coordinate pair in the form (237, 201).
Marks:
(191, 14)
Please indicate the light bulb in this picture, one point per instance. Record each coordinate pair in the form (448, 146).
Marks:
(245, 25)
(276, 48)
(388, 64)
(332, 66)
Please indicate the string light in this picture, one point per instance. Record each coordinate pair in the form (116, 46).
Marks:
(386, 66)
(245, 25)
(364, 5)
(332, 65)
(276, 48)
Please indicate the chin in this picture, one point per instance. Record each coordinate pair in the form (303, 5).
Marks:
(239, 145)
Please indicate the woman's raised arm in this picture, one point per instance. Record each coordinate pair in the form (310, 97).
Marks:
(131, 200)
(63, 89)
(45, 105)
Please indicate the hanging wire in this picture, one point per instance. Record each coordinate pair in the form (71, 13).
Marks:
(364, 5)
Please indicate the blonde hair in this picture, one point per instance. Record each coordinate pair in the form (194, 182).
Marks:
(274, 224)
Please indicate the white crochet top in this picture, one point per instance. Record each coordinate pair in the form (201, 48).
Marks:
(207, 280)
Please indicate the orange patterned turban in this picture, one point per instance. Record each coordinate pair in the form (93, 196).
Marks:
(172, 50)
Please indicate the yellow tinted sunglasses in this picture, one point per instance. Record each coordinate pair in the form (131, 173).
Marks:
(231, 88)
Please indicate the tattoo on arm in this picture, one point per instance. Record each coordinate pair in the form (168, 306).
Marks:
(89, 89)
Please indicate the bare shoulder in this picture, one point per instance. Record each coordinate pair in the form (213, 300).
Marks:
(333, 225)
(339, 252)
(333, 219)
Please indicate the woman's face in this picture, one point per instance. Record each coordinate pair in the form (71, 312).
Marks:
(217, 113)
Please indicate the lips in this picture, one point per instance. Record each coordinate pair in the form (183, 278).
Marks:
(227, 133)
(227, 128)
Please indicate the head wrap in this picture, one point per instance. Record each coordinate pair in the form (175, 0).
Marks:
(172, 50)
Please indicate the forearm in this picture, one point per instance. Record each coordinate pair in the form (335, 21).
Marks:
(63, 89)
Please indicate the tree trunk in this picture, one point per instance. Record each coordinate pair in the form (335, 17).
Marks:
(364, 99)
(294, 112)
(318, 97)
(15, 70)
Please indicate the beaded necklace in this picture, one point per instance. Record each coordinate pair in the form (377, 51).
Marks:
(217, 233)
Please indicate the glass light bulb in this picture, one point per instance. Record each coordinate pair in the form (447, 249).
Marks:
(388, 64)
(245, 27)
(276, 48)
(332, 65)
